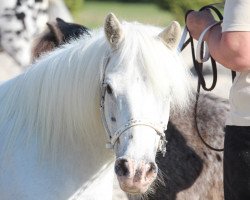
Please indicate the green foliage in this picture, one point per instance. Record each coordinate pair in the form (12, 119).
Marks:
(179, 7)
(74, 5)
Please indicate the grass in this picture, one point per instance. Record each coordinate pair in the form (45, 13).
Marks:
(93, 14)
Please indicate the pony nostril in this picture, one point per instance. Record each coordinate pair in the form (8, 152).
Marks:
(122, 167)
(153, 169)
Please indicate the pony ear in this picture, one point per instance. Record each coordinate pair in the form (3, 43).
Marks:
(113, 30)
(56, 32)
(171, 35)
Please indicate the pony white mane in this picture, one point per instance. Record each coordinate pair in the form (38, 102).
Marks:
(57, 99)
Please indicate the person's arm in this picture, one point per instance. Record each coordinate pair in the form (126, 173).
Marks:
(231, 49)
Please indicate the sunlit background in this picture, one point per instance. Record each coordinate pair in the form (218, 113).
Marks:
(158, 12)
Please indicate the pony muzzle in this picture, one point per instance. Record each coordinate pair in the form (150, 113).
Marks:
(135, 178)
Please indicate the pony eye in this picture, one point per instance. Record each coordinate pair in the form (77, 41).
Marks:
(113, 119)
(109, 89)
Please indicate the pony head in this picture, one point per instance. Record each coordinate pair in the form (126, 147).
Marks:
(138, 87)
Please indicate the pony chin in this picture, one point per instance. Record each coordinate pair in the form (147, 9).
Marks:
(133, 187)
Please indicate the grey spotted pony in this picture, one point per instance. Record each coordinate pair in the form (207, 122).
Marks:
(21, 21)
(189, 170)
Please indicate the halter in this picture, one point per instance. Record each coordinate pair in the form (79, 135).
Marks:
(113, 137)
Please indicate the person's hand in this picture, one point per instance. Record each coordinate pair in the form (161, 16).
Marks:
(198, 21)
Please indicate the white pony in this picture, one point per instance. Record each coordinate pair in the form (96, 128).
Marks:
(122, 80)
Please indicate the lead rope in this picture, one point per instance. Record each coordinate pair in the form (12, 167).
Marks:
(199, 65)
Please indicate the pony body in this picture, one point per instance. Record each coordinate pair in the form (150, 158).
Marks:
(190, 169)
(51, 126)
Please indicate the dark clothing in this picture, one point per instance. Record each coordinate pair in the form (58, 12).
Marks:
(237, 163)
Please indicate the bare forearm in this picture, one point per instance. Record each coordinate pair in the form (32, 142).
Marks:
(229, 48)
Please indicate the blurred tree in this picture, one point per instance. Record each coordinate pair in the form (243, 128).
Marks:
(180, 7)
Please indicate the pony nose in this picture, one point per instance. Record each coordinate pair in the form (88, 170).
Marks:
(152, 169)
(126, 167)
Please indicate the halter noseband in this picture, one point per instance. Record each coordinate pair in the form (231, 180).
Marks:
(158, 127)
